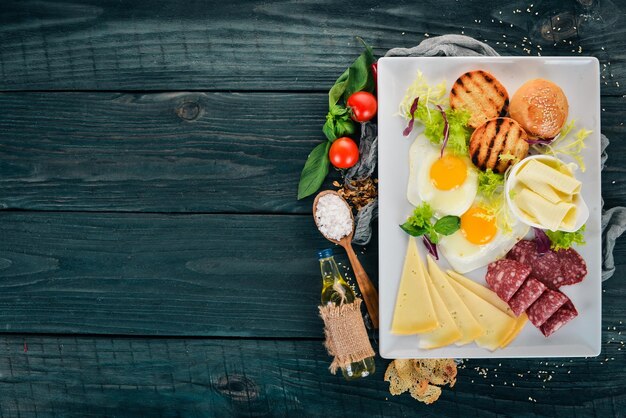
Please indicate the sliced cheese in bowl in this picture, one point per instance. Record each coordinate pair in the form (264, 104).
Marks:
(543, 192)
(550, 215)
(548, 181)
(463, 318)
(414, 312)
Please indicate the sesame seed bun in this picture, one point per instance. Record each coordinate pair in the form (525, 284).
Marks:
(540, 106)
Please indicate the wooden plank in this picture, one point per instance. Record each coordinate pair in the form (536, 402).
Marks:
(127, 152)
(91, 376)
(613, 176)
(165, 152)
(155, 274)
(287, 45)
(194, 275)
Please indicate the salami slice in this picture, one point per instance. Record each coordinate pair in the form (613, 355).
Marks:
(547, 268)
(561, 317)
(544, 307)
(573, 266)
(524, 251)
(554, 269)
(528, 293)
(505, 277)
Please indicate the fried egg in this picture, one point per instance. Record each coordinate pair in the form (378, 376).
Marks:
(448, 184)
(481, 238)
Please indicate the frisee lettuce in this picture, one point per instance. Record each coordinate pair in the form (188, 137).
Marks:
(421, 216)
(508, 157)
(567, 144)
(459, 133)
(489, 183)
(427, 114)
(492, 198)
(497, 207)
(429, 96)
(563, 240)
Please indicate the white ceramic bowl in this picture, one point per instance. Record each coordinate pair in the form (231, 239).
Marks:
(582, 211)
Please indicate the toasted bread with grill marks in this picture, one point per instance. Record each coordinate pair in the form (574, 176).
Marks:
(494, 138)
(481, 94)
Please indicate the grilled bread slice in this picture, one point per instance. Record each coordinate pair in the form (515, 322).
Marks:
(497, 144)
(481, 94)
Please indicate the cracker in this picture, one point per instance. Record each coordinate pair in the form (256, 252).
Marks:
(430, 395)
(420, 377)
(437, 371)
(419, 388)
(397, 385)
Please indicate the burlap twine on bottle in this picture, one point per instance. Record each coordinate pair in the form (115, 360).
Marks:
(346, 337)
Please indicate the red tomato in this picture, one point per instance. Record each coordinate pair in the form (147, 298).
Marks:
(343, 153)
(363, 106)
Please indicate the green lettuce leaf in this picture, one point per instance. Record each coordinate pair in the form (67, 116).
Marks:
(490, 183)
(564, 240)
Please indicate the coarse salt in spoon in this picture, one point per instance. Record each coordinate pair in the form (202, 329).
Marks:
(335, 221)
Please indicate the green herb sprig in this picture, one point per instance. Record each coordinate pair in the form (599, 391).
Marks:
(338, 123)
(357, 77)
(420, 223)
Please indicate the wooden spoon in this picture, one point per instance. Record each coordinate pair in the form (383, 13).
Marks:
(369, 292)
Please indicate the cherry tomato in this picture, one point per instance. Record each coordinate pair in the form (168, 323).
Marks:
(363, 106)
(343, 153)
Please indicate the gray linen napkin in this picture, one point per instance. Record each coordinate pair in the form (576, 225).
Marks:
(613, 220)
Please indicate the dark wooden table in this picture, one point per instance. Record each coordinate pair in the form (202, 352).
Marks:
(154, 260)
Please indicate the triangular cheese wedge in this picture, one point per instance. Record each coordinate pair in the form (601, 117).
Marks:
(482, 292)
(447, 332)
(491, 297)
(519, 326)
(464, 320)
(414, 312)
(496, 323)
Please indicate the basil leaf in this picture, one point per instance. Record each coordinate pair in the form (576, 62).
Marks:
(337, 111)
(360, 77)
(329, 128)
(344, 127)
(357, 77)
(412, 230)
(314, 171)
(447, 225)
(338, 123)
(337, 89)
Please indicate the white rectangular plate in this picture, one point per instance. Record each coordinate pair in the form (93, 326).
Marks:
(580, 80)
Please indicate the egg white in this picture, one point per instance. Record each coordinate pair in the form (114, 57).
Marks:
(420, 188)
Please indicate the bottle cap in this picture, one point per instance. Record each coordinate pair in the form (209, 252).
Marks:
(328, 252)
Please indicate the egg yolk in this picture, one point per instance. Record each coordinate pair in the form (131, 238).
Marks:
(478, 226)
(448, 172)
